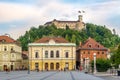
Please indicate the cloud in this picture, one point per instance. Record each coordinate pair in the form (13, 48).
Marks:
(42, 11)
(13, 11)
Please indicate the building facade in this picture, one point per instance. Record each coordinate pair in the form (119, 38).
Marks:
(85, 52)
(77, 25)
(24, 60)
(10, 53)
(52, 53)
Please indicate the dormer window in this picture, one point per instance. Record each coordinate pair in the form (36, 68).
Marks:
(98, 46)
(3, 40)
(90, 45)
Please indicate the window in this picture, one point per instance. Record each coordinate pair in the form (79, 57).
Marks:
(98, 46)
(11, 48)
(46, 54)
(36, 55)
(102, 52)
(5, 48)
(98, 52)
(66, 55)
(84, 52)
(89, 45)
(51, 54)
(57, 54)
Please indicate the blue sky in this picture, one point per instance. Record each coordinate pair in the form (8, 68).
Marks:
(17, 16)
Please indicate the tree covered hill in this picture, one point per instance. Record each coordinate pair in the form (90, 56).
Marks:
(100, 33)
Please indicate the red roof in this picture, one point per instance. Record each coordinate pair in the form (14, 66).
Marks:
(6, 39)
(25, 52)
(92, 44)
(47, 39)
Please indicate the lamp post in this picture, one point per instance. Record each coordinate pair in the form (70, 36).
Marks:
(28, 55)
(28, 64)
(94, 55)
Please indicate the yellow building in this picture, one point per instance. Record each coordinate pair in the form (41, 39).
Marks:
(76, 25)
(10, 53)
(50, 53)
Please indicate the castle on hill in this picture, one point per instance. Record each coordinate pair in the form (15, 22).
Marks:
(76, 25)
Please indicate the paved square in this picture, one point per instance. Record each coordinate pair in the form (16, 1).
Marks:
(50, 75)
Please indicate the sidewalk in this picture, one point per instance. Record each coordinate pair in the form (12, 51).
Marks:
(106, 74)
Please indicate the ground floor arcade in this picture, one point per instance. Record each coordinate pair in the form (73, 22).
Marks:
(52, 64)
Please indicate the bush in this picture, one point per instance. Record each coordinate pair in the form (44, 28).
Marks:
(102, 65)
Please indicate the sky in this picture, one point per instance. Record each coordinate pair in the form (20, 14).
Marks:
(18, 16)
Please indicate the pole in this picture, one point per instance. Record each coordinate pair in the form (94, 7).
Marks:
(94, 63)
(28, 64)
(28, 55)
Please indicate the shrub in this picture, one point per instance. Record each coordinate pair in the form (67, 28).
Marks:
(102, 65)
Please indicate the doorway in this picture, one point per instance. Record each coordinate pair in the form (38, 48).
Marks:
(11, 67)
(46, 66)
(51, 66)
(5, 67)
(57, 66)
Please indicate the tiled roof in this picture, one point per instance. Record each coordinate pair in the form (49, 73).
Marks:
(24, 54)
(6, 39)
(47, 39)
(91, 44)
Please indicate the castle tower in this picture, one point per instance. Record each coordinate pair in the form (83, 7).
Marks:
(80, 18)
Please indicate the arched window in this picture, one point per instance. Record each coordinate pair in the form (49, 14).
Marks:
(51, 54)
(36, 55)
(46, 54)
(66, 55)
(89, 45)
(5, 48)
(57, 54)
(11, 48)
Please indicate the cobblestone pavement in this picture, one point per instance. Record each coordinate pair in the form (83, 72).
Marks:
(51, 75)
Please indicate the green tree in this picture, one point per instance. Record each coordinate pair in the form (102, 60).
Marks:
(73, 40)
(115, 58)
(100, 33)
(102, 65)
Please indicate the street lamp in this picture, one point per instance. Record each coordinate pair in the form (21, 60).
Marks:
(28, 56)
(28, 64)
(94, 55)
